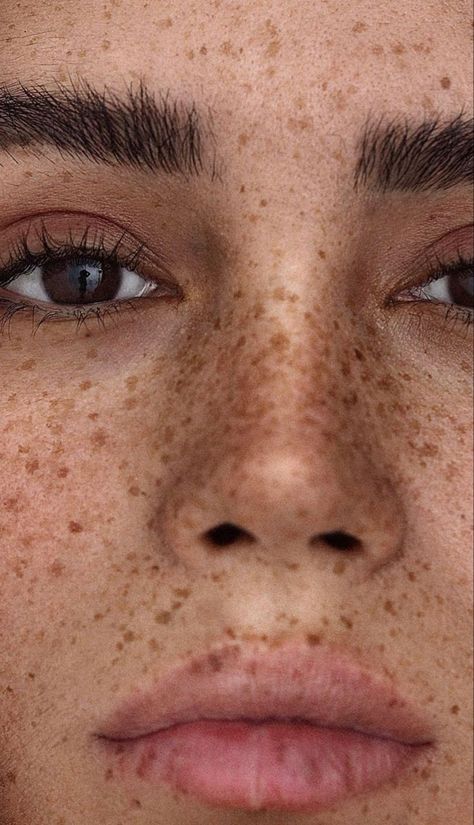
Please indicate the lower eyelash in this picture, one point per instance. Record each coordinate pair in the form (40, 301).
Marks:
(80, 315)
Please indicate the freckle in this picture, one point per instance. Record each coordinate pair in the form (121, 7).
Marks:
(85, 385)
(93, 416)
(183, 592)
(215, 661)
(56, 568)
(99, 438)
(347, 622)
(339, 567)
(75, 527)
(32, 675)
(28, 365)
(131, 382)
(62, 472)
(397, 48)
(163, 617)
(130, 403)
(105, 45)
(313, 639)
(445, 82)
(455, 710)
(321, 253)
(203, 50)
(388, 606)
(153, 644)
(98, 617)
(119, 646)
(129, 636)
(280, 342)
(359, 27)
(32, 466)
(377, 49)
(411, 576)
(190, 55)
(92, 353)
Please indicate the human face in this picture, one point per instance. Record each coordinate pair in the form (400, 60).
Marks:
(264, 381)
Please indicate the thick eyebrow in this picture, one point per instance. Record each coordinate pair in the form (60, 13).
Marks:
(108, 128)
(407, 156)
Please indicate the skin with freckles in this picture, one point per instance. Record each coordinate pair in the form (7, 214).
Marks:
(281, 395)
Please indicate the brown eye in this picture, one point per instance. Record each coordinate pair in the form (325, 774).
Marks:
(75, 281)
(461, 289)
(81, 281)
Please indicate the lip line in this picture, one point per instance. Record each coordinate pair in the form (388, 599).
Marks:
(325, 687)
(262, 721)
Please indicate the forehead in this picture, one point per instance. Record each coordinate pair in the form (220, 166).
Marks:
(239, 53)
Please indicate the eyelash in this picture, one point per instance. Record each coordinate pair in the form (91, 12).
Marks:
(22, 259)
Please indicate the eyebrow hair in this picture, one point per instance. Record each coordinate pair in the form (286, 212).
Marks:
(129, 130)
(401, 155)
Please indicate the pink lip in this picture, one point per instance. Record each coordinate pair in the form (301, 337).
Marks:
(205, 719)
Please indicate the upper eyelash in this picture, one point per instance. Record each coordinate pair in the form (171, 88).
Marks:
(440, 269)
(23, 258)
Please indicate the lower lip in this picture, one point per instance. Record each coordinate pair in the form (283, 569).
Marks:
(263, 765)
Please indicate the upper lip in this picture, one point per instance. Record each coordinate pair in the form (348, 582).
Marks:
(291, 681)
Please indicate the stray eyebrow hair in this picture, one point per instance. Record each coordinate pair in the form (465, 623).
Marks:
(130, 130)
(405, 156)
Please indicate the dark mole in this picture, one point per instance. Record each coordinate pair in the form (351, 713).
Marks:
(445, 82)
(75, 527)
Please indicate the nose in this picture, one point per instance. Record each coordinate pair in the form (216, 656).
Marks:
(288, 487)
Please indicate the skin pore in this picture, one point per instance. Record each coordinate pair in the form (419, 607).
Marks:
(269, 386)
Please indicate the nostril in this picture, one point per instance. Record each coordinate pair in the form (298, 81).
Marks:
(226, 534)
(340, 540)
